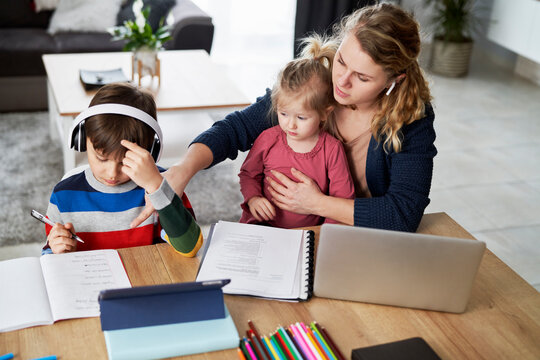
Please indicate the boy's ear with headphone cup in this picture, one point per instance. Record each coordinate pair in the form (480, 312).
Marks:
(78, 138)
(155, 149)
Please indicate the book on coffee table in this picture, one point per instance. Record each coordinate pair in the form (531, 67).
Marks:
(94, 79)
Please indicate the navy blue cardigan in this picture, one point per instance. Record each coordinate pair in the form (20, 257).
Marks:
(399, 182)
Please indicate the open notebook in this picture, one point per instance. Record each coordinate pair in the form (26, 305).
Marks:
(260, 260)
(42, 290)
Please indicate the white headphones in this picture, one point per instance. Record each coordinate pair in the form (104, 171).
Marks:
(78, 134)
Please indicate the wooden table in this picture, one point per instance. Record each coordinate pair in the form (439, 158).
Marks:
(190, 82)
(502, 320)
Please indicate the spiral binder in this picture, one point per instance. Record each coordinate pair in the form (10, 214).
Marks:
(309, 253)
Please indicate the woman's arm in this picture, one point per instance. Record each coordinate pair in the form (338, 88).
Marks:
(238, 131)
(223, 140)
(198, 157)
(183, 233)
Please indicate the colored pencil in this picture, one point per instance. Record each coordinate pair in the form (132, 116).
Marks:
(302, 342)
(265, 345)
(250, 350)
(295, 342)
(321, 342)
(327, 346)
(312, 346)
(286, 350)
(271, 348)
(289, 342)
(244, 350)
(332, 344)
(254, 329)
(325, 338)
(256, 344)
(314, 341)
(240, 354)
(274, 342)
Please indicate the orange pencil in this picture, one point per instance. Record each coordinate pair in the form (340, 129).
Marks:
(240, 354)
(314, 341)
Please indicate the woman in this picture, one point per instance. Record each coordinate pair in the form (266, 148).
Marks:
(384, 120)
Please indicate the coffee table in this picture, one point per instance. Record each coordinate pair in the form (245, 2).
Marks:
(192, 93)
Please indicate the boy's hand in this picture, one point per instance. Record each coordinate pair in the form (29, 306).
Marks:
(60, 240)
(261, 208)
(140, 167)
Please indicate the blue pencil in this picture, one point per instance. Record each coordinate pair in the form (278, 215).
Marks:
(323, 345)
(263, 340)
(289, 340)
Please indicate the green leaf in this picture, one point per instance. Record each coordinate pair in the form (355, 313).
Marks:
(137, 38)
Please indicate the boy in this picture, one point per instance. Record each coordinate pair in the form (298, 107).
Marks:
(123, 141)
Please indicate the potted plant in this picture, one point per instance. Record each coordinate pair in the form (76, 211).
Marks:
(453, 23)
(142, 40)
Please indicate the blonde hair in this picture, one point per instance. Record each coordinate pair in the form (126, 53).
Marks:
(390, 36)
(309, 76)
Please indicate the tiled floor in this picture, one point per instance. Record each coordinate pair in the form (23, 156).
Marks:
(487, 172)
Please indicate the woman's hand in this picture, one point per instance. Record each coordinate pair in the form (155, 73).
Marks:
(261, 208)
(301, 197)
(140, 167)
(60, 238)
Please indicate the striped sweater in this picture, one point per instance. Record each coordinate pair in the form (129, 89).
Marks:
(102, 214)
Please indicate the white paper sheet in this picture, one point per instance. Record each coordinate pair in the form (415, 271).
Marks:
(74, 281)
(259, 260)
(23, 299)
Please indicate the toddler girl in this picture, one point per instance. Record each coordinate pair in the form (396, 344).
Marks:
(302, 99)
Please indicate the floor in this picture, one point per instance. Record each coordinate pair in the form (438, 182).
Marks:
(487, 171)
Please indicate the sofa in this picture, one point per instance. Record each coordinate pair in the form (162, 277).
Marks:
(25, 35)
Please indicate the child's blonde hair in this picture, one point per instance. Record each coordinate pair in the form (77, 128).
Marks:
(391, 38)
(309, 76)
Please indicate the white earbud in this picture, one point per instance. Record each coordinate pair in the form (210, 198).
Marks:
(391, 88)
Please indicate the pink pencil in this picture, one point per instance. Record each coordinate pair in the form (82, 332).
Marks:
(302, 342)
(249, 349)
(308, 341)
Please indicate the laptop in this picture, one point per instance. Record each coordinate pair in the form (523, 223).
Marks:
(396, 268)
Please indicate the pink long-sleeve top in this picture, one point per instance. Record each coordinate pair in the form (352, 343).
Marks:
(326, 164)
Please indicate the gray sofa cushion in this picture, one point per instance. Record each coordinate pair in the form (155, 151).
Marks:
(21, 50)
(76, 42)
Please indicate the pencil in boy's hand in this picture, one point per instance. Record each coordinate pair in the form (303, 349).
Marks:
(45, 220)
